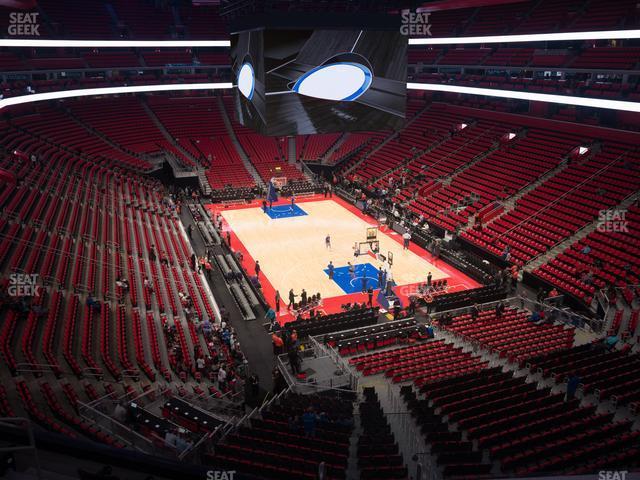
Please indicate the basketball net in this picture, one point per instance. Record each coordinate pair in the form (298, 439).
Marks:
(279, 182)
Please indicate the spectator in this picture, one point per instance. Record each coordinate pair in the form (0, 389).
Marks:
(406, 238)
(277, 343)
(294, 360)
(120, 413)
(92, 303)
(475, 312)
(270, 316)
(123, 283)
(292, 298)
(182, 444)
(277, 301)
(170, 439)
(610, 342)
(514, 277)
(309, 419)
(397, 306)
(572, 385)
(293, 338)
(222, 378)
(279, 384)
(251, 391)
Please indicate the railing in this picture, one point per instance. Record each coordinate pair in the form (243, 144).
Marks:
(37, 368)
(340, 362)
(555, 313)
(311, 177)
(127, 435)
(229, 428)
(589, 325)
(410, 438)
(481, 306)
(568, 192)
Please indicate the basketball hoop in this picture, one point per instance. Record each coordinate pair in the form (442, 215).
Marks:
(279, 182)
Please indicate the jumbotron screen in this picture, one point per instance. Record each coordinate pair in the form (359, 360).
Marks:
(308, 81)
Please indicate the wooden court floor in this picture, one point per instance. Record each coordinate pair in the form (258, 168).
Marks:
(292, 251)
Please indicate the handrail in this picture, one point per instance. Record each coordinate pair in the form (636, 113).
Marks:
(194, 447)
(571, 190)
(139, 442)
(578, 231)
(465, 144)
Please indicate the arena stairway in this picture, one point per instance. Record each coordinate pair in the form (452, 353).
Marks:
(234, 139)
(154, 118)
(338, 143)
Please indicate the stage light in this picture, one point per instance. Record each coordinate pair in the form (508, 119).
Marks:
(246, 80)
(85, 92)
(536, 97)
(538, 37)
(37, 43)
(342, 81)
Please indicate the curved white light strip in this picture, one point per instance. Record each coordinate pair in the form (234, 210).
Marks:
(342, 81)
(31, 43)
(538, 37)
(246, 81)
(86, 92)
(536, 97)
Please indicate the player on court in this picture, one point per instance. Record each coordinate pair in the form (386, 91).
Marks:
(352, 270)
(327, 241)
(293, 202)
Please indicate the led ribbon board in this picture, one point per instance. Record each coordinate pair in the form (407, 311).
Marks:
(33, 43)
(86, 92)
(536, 97)
(538, 37)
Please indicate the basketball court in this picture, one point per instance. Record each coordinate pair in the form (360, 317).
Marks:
(289, 244)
